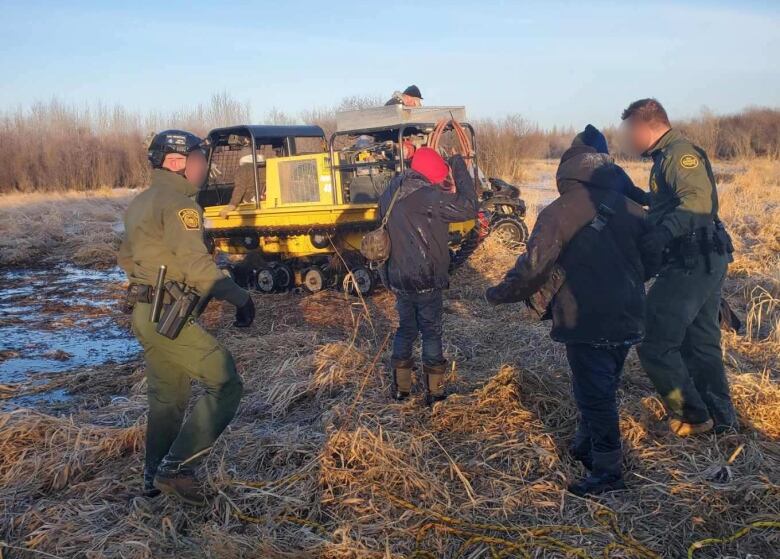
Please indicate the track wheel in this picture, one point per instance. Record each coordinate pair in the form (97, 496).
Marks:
(511, 231)
(360, 281)
(283, 276)
(313, 279)
(265, 279)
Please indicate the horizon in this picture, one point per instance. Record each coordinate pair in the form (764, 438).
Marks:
(275, 115)
(713, 55)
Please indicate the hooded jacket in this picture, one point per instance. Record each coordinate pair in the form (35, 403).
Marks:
(601, 299)
(418, 227)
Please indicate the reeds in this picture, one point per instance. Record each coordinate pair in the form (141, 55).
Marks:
(54, 146)
(79, 227)
(320, 462)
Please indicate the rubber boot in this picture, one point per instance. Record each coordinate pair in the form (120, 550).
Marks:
(150, 491)
(434, 382)
(606, 475)
(580, 446)
(179, 481)
(723, 414)
(402, 378)
(684, 429)
(723, 428)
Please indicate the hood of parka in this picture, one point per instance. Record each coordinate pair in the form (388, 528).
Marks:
(583, 165)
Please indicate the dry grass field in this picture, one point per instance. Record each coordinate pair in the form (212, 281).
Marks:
(321, 463)
(44, 228)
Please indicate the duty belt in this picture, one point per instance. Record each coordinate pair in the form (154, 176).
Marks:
(701, 243)
(140, 293)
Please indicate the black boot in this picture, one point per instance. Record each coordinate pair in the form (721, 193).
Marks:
(580, 448)
(606, 475)
(402, 378)
(150, 491)
(434, 382)
(723, 414)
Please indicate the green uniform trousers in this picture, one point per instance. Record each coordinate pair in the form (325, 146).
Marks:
(681, 351)
(171, 365)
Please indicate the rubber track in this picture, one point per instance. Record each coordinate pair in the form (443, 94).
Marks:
(470, 242)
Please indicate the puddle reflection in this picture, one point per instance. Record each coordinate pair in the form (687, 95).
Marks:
(54, 320)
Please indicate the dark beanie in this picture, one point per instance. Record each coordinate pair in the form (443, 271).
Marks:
(591, 137)
(413, 91)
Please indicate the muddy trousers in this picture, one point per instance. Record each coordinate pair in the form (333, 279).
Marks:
(681, 352)
(595, 380)
(419, 313)
(171, 365)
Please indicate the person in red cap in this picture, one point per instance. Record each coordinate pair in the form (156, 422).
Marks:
(419, 208)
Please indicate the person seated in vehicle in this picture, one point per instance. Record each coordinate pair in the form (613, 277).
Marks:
(587, 243)
(244, 182)
(418, 209)
(409, 97)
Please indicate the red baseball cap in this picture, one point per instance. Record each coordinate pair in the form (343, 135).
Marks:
(430, 164)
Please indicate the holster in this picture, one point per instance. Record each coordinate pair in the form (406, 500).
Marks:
(721, 240)
(689, 250)
(701, 243)
(176, 313)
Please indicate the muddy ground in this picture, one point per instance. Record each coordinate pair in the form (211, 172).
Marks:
(55, 322)
(319, 462)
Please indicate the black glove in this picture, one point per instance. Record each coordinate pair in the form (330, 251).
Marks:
(654, 242)
(245, 314)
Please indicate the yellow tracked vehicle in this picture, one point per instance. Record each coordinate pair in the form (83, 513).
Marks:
(299, 218)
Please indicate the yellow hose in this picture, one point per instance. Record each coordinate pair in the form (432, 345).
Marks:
(760, 524)
(538, 537)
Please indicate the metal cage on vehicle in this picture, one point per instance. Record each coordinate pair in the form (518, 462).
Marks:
(228, 145)
(391, 124)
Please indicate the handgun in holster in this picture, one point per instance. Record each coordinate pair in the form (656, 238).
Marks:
(172, 305)
(177, 313)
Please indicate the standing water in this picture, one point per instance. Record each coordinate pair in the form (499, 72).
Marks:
(58, 319)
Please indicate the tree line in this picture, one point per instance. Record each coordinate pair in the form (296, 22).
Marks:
(54, 146)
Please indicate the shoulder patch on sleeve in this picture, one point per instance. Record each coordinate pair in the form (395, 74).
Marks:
(689, 161)
(190, 219)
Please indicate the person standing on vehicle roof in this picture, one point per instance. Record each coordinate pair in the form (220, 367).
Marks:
(419, 208)
(586, 244)
(681, 353)
(409, 97)
(163, 227)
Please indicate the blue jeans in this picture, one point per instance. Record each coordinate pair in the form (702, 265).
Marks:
(419, 313)
(595, 379)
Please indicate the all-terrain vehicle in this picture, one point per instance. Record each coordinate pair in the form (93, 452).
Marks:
(311, 198)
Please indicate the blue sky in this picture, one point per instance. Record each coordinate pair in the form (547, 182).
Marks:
(557, 63)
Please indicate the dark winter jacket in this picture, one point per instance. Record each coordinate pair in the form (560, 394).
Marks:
(418, 227)
(601, 298)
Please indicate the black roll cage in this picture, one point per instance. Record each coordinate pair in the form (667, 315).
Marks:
(281, 136)
(420, 127)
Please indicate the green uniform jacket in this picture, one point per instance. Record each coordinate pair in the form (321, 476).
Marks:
(683, 196)
(164, 225)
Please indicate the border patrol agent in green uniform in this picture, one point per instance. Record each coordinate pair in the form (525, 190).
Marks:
(163, 227)
(681, 352)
